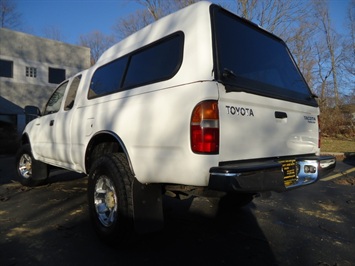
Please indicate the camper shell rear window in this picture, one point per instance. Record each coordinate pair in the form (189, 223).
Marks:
(247, 58)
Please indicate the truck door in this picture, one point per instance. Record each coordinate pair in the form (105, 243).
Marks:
(43, 134)
(63, 125)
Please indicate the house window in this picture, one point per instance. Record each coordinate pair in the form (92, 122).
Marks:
(6, 68)
(56, 75)
(31, 72)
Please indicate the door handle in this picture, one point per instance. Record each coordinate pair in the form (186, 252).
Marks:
(51, 123)
(280, 115)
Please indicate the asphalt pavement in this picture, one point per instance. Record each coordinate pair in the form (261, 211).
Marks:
(314, 225)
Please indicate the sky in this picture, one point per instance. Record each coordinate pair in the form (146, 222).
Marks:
(72, 17)
(79, 17)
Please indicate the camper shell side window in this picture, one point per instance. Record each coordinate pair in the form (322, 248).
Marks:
(156, 62)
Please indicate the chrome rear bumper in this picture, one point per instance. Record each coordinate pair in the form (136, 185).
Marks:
(270, 175)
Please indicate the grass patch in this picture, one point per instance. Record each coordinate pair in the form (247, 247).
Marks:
(337, 145)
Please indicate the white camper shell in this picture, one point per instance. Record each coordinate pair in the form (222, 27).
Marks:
(201, 100)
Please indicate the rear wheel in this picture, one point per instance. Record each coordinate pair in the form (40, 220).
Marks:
(110, 198)
(30, 172)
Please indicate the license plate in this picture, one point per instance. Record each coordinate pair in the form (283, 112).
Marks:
(289, 168)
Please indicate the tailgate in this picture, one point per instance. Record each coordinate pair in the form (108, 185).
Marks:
(253, 126)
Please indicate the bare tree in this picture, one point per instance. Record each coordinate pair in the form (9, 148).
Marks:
(152, 11)
(161, 8)
(156, 8)
(323, 71)
(349, 48)
(247, 8)
(97, 42)
(331, 40)
(54, 33)
(9, 16)
(277, 16)
(348, 61)
(179, 4)
(132, 23)
(302, 49)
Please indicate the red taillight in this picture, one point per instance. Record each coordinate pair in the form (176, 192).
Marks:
(205, 128)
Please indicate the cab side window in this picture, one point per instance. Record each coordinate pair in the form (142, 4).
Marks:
(55, 100)
(69, 101)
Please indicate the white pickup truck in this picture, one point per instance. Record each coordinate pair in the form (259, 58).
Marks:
(199, 102)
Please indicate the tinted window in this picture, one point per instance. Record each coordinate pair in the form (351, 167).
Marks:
(108, 78)
(253, 60)
(56, 99)
(56, 75)
(158, 62)
(6, 69)
(69, 102)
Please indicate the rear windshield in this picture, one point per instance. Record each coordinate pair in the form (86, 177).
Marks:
(249, 59)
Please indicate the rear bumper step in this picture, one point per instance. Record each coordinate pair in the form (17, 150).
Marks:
(270, 175)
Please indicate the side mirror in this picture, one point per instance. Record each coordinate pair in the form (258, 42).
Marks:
(31, 112)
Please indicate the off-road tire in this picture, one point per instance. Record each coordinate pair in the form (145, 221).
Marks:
(28, 168)
(110, 199)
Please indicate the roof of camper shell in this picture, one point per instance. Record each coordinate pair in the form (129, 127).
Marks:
(185, 18)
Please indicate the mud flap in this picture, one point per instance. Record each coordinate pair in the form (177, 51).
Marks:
(39, 170)
(147, 207)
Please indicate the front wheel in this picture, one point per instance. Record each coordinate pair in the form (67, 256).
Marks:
(30, 172)
(110, 198)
